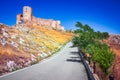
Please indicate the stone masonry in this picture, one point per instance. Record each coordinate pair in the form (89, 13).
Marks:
(28, 19)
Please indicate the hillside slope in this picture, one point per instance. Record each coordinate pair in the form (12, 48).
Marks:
(22, 46)
(114, 43)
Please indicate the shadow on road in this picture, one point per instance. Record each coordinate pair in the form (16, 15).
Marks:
(74, 53)
(74, 58)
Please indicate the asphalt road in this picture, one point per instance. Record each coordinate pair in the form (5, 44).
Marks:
(65, 65)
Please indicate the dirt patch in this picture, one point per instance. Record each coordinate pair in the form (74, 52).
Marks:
(116, 65)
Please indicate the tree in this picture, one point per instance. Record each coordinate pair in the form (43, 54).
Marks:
(89, 42)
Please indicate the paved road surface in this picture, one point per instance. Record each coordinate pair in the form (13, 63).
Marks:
(65, 65)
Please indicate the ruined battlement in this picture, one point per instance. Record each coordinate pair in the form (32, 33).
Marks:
(28, 19)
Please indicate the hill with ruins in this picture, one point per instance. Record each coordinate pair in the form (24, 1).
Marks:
(29, 41)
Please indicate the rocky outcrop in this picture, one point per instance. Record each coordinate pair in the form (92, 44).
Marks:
(114, 40)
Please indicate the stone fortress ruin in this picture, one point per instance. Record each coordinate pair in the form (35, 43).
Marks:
(30, 20)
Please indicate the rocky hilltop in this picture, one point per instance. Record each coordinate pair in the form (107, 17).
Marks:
(114, 40)
(22, 46)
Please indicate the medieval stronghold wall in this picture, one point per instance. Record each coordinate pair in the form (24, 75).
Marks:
(28, 19)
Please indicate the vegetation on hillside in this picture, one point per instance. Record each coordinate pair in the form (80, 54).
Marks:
(89, 41)
(23, 45)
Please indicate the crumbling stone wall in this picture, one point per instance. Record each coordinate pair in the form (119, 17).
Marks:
(28, 19)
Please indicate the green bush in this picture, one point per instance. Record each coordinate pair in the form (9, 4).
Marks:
(89, 42)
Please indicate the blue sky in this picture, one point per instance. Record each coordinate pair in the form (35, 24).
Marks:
(102, 15)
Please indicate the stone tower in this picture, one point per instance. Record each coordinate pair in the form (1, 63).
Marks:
(27, 13)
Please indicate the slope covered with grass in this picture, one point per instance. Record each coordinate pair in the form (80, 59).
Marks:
(22, 46)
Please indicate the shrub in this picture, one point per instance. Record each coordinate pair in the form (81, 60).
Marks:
(89, 41)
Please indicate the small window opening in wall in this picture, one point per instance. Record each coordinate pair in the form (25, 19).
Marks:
(26, 10)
